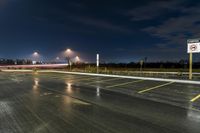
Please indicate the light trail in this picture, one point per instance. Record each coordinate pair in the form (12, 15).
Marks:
(36, 66)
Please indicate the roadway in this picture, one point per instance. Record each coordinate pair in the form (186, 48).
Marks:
(59, 103)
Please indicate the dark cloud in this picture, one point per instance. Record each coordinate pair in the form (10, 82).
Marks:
(177, 30)
(3, 3)
(153, 9)
(100, 24)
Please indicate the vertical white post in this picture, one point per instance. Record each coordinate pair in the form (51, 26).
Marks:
(190, 67)
(97, 63)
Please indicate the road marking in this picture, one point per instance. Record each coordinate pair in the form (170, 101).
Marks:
(195, 98)
(194, 109)
(83, 79)
(104, 80)
(79, 78)
(124, 83)
(68, 77)
(152, 88)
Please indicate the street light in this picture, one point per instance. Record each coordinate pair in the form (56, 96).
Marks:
(68, 53)
(35, 56)
(57, 58)
(68, 50)
(77, 58)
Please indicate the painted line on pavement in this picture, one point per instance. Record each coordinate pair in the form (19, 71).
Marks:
(84, 79)
(155, 87)
(195, 98)
(122, 84)
(67, 78)
(105, 80)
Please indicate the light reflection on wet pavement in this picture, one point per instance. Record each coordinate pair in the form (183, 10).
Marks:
(55, 103)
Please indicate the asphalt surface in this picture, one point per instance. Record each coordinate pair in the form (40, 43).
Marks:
(63, 103)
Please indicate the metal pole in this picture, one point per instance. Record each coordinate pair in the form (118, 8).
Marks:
(141, 64)
(190, 67)
(97, 63)
(70, 64)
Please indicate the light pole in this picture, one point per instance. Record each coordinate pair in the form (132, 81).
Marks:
(35, 55)
(77, 59)
(68, 52)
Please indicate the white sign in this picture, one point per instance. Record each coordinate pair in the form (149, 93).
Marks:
(97, 60)
(193, 46)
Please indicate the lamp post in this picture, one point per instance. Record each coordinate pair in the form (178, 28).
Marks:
(35, 56)
(77, 58)
(68, 52)
(141, 64)
(77, 61)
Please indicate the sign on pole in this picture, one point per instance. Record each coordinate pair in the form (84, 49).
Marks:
(193, 47)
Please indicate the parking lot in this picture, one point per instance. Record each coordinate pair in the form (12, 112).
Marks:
(51, 102)
(170, 92)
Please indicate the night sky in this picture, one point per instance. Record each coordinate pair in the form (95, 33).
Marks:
(119, 30)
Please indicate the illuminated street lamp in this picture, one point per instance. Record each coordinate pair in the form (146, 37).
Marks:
(77, 58)
(68, 50)
(57, 58)
(35, 56)
(68, 53)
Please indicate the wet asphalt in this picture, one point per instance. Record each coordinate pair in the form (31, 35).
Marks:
(61, 103)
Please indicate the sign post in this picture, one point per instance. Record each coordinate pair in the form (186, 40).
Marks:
(97, 63)
(193, 47)
(190, 67)
(141, 64)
